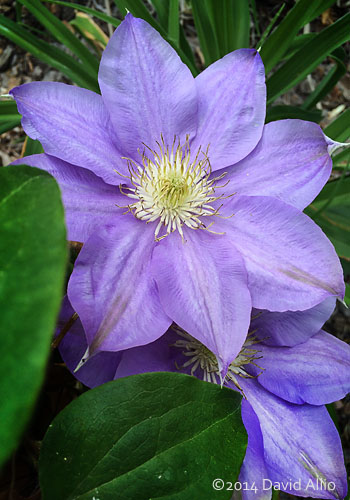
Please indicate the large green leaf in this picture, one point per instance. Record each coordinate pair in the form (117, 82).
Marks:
(155, 435)
(32, 268)
(305, 60)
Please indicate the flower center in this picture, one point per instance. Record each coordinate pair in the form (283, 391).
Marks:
(200, 358)
(172, 189)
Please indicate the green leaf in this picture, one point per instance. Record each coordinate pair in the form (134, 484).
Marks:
(32, 147)
(347, 295)
(339, 129)
(92, 12)
(162, 9)
(90, 31)
(9, 116)
(173, 24)
(337, 187)
(32, 267)
(280, 40)
(48, 54)
(232, 24)
(308, 57)
(203, 17)
(319, 7)
(282, 112)
(62, 34)
(154, 435)
(327, 83)
(9, 125)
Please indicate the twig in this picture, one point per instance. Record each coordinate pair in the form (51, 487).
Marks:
(65, 329)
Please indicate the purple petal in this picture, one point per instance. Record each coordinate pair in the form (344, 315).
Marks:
(71, 123)
(253, 470)
(158, 356)
(315, 372)
(301, 444)
(97, 370)
(291, 162)
(202, 287)
(146, 88)
(232, 105)
(112, 290)
(88, 201)
(291, 264)
(290, 328)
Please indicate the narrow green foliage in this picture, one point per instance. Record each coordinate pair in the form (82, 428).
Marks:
(58, 29)
(308, 57)
(270, 27)
(282, 112)
(339, 129)
(92, 12)
(280, 40)
(48, 54)
(173, 24)
(204, 21)
(326, 85)
(9, 116)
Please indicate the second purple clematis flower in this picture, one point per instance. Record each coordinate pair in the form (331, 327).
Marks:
(292, 441)
(189, 208)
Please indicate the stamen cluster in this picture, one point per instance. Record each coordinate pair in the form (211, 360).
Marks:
(200, 357)
(172, 189)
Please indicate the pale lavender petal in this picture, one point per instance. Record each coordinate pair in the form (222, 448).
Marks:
(253, 471)
(97, 370)
(290, 328)
(112, 290)
(202, 287)
(71, 123)
(291, 162)
(232, 105)
(315, 372)
(301, 444)
(146, 87)
(88, 201)
(291, 264)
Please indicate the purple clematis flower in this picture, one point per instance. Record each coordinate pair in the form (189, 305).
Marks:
(291, 437)
(212, 222)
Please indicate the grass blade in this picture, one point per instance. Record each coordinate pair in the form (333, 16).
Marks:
(282, 112)
(270, 26)
(277, 44)
(92, 12)
(173, 25)
(339, 129)
(308, 57)
(204, 21)
(326, 85)
(48, 54)
(62, 33)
